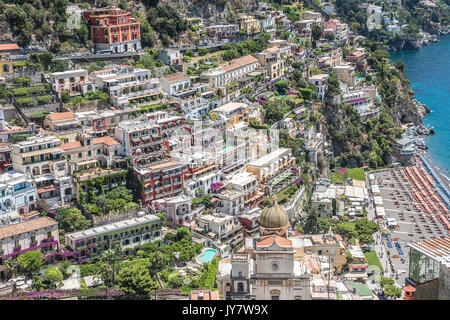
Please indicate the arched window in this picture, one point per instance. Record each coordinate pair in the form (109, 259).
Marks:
(5, 68)
(240, 286)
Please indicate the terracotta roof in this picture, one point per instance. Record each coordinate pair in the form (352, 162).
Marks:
(105, 140)
(436, 248)
(239, 62)
(176, 77)
(61, 115)
(204, 295)
(9, 46)
(71, 145)
(358, 53)
(268, 240)
(27, 226)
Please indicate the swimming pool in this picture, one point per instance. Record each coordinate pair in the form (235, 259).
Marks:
(208, 255)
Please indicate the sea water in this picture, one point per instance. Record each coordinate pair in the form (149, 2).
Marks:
(428, 69)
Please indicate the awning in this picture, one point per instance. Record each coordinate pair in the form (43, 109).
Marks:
(42, 190)
(45, 178)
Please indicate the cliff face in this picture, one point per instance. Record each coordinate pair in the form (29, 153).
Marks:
(405, 109)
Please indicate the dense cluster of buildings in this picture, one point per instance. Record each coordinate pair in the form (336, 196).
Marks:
(195, 148)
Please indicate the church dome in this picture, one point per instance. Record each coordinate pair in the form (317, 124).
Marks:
(274, 217)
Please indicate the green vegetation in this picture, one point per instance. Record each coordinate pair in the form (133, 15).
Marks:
(119, 199)
(339, 176)
(71, 219)
(149, 60)
(372, 259)
(389, 288)
(246, 47)
(31, 261)
(287, 192)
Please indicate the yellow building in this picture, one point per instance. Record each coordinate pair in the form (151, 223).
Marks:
(6, 61)
(234, 113)
(250, 25)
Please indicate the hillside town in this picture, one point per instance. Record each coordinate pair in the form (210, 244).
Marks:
(262, 163)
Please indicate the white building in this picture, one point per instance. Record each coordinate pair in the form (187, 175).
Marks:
(18, 197)
(320, 81)
(39, 156)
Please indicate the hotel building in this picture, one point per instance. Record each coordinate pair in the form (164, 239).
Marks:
(114, 30)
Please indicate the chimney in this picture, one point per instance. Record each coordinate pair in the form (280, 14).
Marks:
(409, 292)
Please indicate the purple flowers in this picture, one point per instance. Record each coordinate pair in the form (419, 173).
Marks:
(344, 171)
(19, 251)
(60, 294)
(217, 185)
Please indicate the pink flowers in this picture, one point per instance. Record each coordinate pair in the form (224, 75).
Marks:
(344, 171)
(217, 185)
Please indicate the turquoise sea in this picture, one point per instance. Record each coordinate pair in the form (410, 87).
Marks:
(428, 69)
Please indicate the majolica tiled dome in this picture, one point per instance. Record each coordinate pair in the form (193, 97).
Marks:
(274, 217)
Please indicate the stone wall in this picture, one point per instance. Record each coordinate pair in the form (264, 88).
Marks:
(89, 106)
(425, 291)
(51, 107)
(444, 283)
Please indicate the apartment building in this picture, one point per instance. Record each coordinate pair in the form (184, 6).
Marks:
(249, 25)
(160, 180)
(346, 73)
(179, 209)
(171, 56)
(147, 139)
(334, 59)
(271, 166)
(39, 155)
(247, 186)
(362, 101)
(75, 81)
(6, 57)
(37, 234)
(236, 69)
(222, 227)
(283, 45)
(113, 30)
(320, 81)
(340, 30)
(125, 84)
(128, 233)
(5, 158)
(61, 122)
(90, 149)
(233, 113)
(18, 197)
(222, 31)
(272, 60)
(175, 83)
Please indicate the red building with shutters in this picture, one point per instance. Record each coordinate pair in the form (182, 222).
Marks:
(114, 30)
(160, 180)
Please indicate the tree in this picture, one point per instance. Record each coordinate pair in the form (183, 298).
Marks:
(183, 233)
(316, 32)
(71, 219)
(162, 216)
(281, 86)
(12, 267)
(109, 266)
(52, 277)
(31, 261)
(65, 96)
(136, 280)
(329, 37)
(176, 282)
(311, 225)
(332, 86)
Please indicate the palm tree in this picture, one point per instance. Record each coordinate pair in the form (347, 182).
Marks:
(110, 266)
(12, 266)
